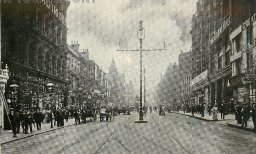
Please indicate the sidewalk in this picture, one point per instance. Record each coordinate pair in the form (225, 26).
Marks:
(6, 135)
(229, 120)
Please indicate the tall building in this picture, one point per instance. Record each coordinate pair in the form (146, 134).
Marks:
(200, 33)
(185, 76)
(33, 45)
(222, 34)
(220, 67)
(168, 89)
(243, 51)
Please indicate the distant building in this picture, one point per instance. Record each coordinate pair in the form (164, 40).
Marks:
(185, 76)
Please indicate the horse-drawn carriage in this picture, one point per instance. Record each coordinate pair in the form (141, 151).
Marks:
(89, 111)
(105, 113)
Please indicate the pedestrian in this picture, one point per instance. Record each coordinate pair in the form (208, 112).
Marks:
(76, 116)
(38, 119)
(58, 117)
(22, 122)
(232, 105)
(245, 115)
(62, 117)
(17, 116)
(13, 121)
(209, 109)
(238, 114)
(222, 111)
(66, 115)
(30, 121)
(215, 112)
(254, 116)
(202, 110)
(193, 109)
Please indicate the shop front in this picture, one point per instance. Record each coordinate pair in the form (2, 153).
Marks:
(200, 89)
(28, 90)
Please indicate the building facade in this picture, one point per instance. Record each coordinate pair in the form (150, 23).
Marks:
(200, 53)
(34, 47)
(242, 39)
(185, 76)
(73, 71)
(226, 39)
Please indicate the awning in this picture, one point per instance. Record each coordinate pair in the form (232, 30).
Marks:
(200, 81)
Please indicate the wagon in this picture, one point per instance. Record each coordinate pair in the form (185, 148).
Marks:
(105, 113)
(89, 112)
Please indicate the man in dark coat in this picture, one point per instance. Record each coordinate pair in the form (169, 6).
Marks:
(193, 109)
(246, 115)
(222, 110)
(238, 114)
(13, 120)
(202, 110)
(37, 118)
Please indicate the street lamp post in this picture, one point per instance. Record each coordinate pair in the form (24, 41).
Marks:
(80, 96)
(141, 36)
(50, 90)
(14, 87)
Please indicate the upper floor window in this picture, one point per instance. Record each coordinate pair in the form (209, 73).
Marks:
(227, 58)
(220, 62)
(249, 35)
(238, 66)
(237, 43)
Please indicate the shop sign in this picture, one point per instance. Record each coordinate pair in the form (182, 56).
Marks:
(217, 33)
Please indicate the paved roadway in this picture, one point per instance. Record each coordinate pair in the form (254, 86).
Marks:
(172, 133)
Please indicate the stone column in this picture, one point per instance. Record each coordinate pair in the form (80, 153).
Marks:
(3, 80)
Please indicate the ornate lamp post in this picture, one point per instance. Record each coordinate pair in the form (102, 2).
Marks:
(80, 96)
(49, 87)
(14, 89)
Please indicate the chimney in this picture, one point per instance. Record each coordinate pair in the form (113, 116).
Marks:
(75, 45)
(85, 53)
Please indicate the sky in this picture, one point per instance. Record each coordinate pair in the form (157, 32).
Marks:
(105, 26)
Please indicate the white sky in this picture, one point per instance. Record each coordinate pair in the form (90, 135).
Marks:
(103, 25)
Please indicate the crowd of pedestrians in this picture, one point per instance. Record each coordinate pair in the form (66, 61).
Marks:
(242, 112)
(25, 120)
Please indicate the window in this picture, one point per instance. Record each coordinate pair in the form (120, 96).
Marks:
(249, 33)
(227, 58)
(238, 43)
(238, 66)
(220, 62)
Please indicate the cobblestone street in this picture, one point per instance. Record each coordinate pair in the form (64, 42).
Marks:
(172, 133)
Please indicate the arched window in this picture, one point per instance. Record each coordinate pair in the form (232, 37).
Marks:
(32, 55)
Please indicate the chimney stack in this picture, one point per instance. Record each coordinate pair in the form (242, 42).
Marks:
(75, 45)
(85, 53)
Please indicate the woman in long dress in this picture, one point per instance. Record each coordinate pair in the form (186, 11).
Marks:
(215, 112)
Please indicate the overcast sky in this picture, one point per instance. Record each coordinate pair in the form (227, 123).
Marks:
(108, 25)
